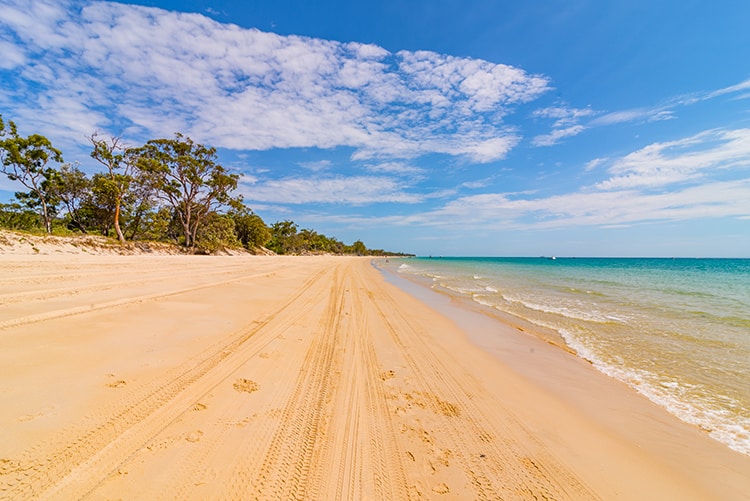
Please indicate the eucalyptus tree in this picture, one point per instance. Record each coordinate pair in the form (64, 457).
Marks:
(284, 237)
(99, 209)
(26, 159)
(73, 188)
(186, 177)
(359, 248)
(144, 209)
(120, 164)
(250, 228)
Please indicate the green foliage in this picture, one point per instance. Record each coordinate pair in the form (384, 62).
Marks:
(98, 210)
(120, 164)
(153, 225)
(166, 190)
(186, 177)
(216, 233)
(14, 216)
(72, 188)
(25, 160)
(284, 238)
(359, 248)
(250, 229)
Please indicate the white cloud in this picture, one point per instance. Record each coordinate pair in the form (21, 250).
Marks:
(357, 190)
(398, 168)
(556, 135)
(740, 87)
(152, 72)
(661, 164)
(571, 121)
(603, 209)
(566, 123)
(701, 176)
(13, 56)
(317, 166)
(474, 185)
(639, 114)
(565, 116)
(666, 111)
(593, 164)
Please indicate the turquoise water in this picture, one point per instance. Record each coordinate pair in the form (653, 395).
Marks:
(676, 330)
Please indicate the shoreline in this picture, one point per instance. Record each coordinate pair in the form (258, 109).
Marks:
(283, 377)
(541, 356)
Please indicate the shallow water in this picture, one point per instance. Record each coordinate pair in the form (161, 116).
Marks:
(676, 330)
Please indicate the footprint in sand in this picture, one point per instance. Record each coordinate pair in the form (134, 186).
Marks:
(8, 466)
(246, 385)
(441, 488)
(117, 384)
(194, 436)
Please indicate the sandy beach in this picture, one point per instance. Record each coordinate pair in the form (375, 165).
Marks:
(259, 377)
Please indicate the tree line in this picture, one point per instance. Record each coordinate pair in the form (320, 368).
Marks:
(165, 190)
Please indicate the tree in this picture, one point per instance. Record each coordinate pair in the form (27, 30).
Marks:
(99, 208)
(283, 237)
(25, 159)
(187, 178)
(250, 229)
(359, 248)
(120, 165)
(153, 225)
(217, 233)
(14, 216)
(145, 211)
(73, 188)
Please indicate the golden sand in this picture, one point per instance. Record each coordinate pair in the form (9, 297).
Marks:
(183, 377)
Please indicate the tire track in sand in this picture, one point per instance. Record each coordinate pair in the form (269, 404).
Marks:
(284, 471)
(495, 467)
(103, 282)
(72, 467)
(371, 467)
(78, 310)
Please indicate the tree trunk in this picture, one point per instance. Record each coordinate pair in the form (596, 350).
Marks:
(186, 230)
(45, 213)
(189, 242)
(120, 236)
(194, 231)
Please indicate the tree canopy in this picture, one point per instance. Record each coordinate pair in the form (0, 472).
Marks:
(26, 159)
(120, 164)
(187, 178)
(165, 190)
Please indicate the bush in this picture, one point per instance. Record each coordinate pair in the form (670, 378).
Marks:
(215, 234)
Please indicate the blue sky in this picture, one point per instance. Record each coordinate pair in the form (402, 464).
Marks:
(432, 126)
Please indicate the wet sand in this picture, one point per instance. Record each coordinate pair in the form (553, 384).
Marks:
(184, 377)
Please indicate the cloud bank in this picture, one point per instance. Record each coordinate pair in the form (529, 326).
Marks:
(706, 175)
(146, 72)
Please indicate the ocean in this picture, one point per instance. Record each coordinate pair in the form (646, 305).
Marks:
(675, 330)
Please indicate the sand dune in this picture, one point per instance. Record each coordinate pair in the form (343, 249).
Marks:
(182, 377)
